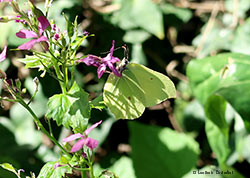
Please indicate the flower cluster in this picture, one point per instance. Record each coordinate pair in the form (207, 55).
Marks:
(42, 25)
(103, 63)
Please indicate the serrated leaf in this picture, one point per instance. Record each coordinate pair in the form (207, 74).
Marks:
(58, 105)
(48, 171)
(79, 111)
(162, 147)
(70, 110)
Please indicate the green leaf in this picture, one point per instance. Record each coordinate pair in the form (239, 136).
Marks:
(226, 75)
(48, 171)
(118, 169)
(217, 129)
(79, 111)
(181, 13)
(136, 36)
(37, 62)
(77, 42)
(70, 110)
(8, 167)
(164, 148)
(140, 13)
(58, 106)
(70, 26)
(241, 40)
(98, 103)
(139, 87)
(138, 55)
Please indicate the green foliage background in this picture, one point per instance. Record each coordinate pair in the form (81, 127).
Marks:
(205, 128)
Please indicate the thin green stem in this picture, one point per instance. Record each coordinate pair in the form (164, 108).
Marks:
(58, 73)
(50, 128)
(39, 124)
(83, 171)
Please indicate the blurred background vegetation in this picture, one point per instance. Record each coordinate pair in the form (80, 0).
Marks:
(161, 34)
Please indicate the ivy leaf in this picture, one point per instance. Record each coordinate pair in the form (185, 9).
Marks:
(226, 75)
(217, 129)
(162, 147)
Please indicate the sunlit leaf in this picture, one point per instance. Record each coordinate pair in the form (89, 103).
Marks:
(163, 147)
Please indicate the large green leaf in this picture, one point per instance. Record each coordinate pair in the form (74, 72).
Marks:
(157, 152)
(227, 75)
(217, 129)
(122, 168)
(71, 109)
(140, 13)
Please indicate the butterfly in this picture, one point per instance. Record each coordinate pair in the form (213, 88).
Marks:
(138, 87)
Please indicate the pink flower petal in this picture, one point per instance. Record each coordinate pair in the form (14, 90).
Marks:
(87, 131)
(78, 145)
(91, 143)
(100, 70)
(73, 137)
(112, 48)
(43, 24)
(42, 38)
(3, 54)
(26, 34)
(28, 45)
(31, 43)
(91, 60)
(114, 70)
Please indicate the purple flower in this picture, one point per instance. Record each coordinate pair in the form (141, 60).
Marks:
(3, 54)
(85, 140)
(42, 25)
(102, 63)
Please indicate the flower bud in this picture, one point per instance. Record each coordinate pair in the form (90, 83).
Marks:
(5, 19)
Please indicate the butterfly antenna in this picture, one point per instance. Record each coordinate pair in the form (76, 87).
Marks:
(109, 51)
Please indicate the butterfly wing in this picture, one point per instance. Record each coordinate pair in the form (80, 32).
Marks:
(156, 86)
(119, 95)
(139, 87)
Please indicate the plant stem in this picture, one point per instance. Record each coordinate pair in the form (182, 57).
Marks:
(39, 124)
(83, 173)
